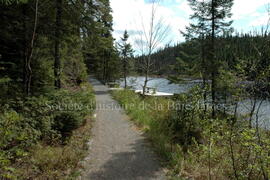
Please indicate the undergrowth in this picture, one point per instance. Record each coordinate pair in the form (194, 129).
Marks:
(194, 145)
(45, 137)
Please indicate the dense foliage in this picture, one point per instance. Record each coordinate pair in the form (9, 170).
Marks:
(39, 44)
(46, 52)
(194, 145)
(50, 118)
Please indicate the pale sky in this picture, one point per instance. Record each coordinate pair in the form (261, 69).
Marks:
(128, 14)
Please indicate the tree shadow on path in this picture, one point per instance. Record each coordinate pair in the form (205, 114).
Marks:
(136, 164)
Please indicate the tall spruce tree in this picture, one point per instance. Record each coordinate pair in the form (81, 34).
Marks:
(211, 21)
(126, 53)
(198, 31)
(99, 51)
(218, 13)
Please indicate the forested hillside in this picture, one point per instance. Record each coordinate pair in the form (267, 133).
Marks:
(239, 49)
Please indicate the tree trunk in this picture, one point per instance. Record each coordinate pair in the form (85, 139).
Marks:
(104, 68)
(214, 68)
(28, 52)
(108, 58)
(31, 49)
(204, 73)
(25, 50)
(57, 60)
(125, 71)
(232, 153)
(146, 74)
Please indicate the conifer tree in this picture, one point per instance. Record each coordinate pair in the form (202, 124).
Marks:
(100, 54)
(211, 20)
(218, 11)
(126, 53)
(198, 31)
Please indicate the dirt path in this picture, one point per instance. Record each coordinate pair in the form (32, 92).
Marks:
(117, 150)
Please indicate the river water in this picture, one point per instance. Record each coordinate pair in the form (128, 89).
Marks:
(164, 85)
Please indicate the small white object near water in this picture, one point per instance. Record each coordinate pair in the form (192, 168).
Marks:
(155, 94)
(116, 89)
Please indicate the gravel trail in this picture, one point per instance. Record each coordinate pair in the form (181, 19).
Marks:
(117, 150)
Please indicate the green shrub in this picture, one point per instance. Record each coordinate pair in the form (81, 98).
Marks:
(26, 121)
(34, 108)
(186, 122)
(74, 68)
(16, 131)
(66, 122)
(17, 135)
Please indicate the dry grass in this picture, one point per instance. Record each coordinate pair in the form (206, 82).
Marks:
(58, 161)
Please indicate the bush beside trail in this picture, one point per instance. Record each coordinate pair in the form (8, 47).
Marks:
(37, 132)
